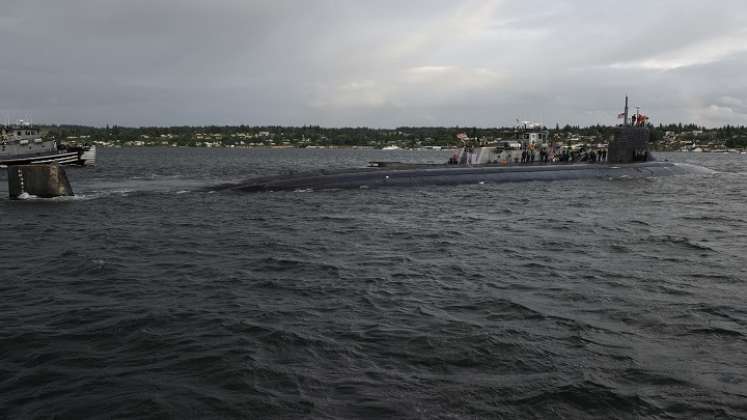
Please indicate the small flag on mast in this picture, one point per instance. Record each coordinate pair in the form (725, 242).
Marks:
(621, 115)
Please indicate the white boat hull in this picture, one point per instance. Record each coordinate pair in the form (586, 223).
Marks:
(63, 158)
(88, 157)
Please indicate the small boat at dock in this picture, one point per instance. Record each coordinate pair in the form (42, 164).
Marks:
(23, 144)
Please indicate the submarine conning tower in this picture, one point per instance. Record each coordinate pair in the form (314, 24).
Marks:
(629, 144)
(630, 140)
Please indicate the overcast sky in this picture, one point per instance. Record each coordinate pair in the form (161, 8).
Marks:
(372, 63)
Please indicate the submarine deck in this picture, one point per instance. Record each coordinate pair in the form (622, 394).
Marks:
(404, 174)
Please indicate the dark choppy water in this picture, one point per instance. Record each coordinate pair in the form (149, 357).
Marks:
(593, 298)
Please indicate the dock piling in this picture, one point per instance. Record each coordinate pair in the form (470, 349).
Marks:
(44, 181)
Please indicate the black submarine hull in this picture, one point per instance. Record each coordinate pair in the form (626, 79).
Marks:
(456, 175)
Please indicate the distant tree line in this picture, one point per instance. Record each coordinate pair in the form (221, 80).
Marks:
(731, 136)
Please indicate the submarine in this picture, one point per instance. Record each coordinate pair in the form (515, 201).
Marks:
(626, 156)
(419, 176)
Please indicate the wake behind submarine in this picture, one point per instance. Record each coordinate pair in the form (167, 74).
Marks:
(528, 157)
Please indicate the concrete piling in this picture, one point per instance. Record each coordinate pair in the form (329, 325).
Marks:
(38, 180)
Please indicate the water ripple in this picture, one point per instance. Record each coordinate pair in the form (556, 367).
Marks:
(575, 299)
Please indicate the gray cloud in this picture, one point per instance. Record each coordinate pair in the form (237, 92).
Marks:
(383, 64)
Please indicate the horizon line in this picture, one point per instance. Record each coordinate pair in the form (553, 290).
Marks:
(550, 127)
